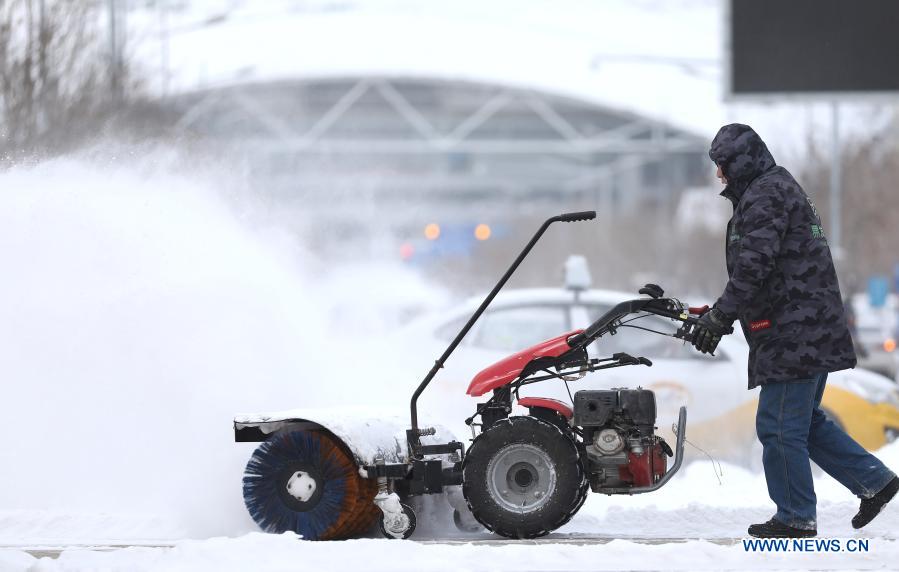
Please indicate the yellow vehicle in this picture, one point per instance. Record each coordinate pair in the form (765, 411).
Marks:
(872, 423)
(867, 410)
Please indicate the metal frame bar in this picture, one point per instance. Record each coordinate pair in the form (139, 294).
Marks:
(619, 139)
(678, 460)
(414, 432)
(488, 146)
(632, 141)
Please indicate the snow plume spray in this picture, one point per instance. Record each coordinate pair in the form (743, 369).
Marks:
(138, 314)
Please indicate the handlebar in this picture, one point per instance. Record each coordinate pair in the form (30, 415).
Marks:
(609, 323)
(574, 217)
(665, 307)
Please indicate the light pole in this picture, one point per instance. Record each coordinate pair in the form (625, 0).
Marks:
(116, 47)
(836, 183)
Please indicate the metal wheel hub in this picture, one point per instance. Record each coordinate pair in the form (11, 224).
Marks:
(301, 486)
(521, 477)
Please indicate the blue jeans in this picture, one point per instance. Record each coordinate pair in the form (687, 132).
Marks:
(793, 429)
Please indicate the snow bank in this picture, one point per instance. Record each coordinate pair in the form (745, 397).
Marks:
(15, 560)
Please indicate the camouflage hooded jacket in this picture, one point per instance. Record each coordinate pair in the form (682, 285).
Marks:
(782, 284)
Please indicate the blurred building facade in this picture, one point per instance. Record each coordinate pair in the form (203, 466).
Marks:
(410, 149)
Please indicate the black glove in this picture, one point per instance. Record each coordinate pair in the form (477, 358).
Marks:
(709, 329)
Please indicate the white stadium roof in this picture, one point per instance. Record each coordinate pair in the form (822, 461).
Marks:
(663, 59)
(636, 56)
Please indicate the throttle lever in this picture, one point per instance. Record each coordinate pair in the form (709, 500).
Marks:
(623, 357)
(628, 359)
(685, 332)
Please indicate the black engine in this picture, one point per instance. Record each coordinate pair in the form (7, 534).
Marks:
(620, 448)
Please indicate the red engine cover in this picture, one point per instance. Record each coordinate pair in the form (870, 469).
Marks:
(504, 371)
(646, 468)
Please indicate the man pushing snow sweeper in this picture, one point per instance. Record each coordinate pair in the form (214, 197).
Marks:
(331, 474)
(783, 289)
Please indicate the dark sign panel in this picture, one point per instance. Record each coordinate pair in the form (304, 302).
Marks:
(814, 46)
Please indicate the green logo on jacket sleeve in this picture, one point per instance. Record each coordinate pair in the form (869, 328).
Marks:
(817, 231)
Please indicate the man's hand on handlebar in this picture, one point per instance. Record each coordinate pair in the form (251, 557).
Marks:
(709, 329)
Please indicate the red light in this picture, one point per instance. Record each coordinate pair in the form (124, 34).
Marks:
(406, 251)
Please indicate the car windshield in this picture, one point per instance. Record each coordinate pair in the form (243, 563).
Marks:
(513, 329)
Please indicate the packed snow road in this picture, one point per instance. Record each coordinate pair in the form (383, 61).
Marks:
(574, 540)
(697, 525)
(258, 551)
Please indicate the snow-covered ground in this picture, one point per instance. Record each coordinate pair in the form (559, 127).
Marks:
(141, 309)
(270, 552)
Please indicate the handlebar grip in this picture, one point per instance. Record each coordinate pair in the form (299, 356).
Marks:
(574, 217)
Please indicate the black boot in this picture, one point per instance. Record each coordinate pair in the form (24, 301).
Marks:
(776, 529)
(871, 507)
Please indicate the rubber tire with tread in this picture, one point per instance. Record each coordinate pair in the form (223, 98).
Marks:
(565, 499)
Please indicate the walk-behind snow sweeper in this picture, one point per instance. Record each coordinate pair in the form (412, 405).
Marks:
(330, 475)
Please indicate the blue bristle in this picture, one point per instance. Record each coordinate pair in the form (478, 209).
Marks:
(260, 479)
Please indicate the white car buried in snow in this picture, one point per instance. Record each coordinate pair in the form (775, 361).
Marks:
(714, 388)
